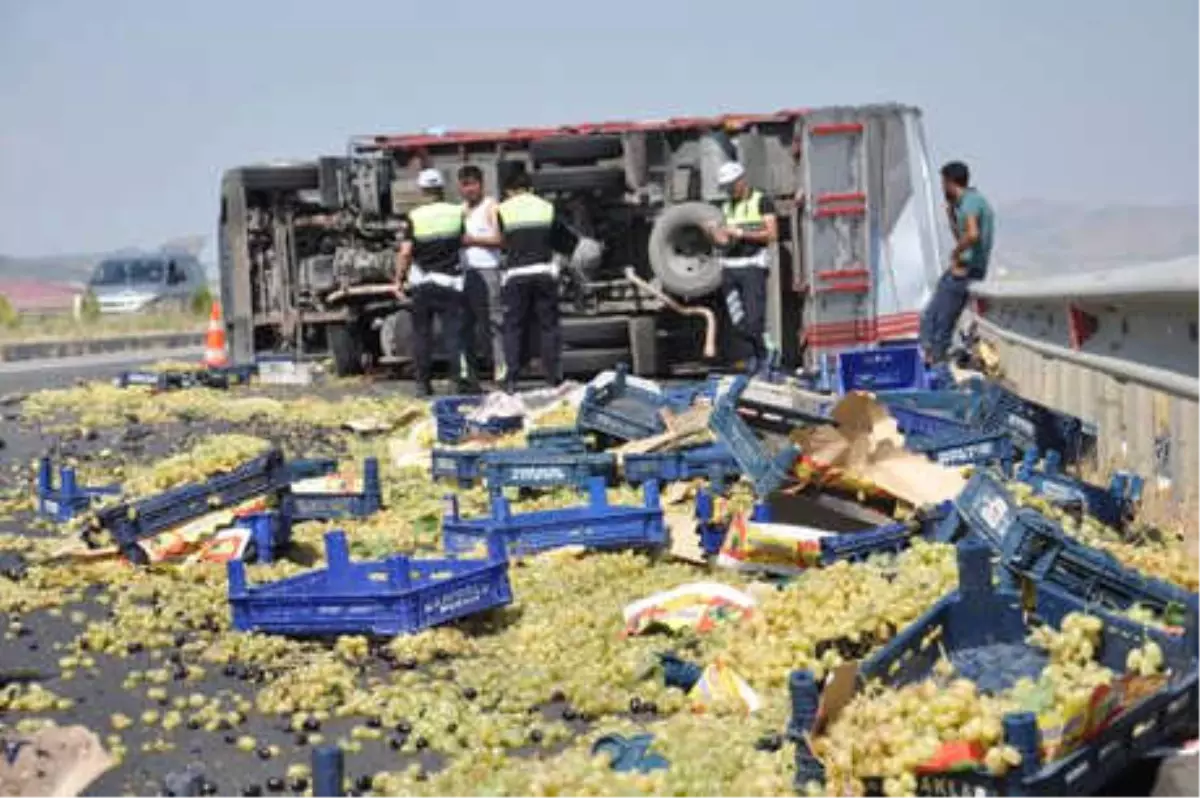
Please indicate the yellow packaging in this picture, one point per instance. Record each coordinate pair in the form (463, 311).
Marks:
(780, 549)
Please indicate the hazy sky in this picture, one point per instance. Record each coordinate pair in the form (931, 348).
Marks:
(117, 117)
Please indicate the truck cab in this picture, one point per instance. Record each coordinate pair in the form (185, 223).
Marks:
(307, 248)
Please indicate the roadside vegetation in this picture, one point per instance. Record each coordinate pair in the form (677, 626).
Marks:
(23, 327)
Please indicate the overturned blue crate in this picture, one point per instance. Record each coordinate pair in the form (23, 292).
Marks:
(681, 397)
(453, 425)
(622, 407)
(894, 367)
(462, 466)
(557, 439)
(298, 507)
(1035, 426)
(68, 499)
(1034, 548)
(970, 448)
(781, 409)
(383, 598)
(712, 462)
(963, 405)
(1113, 505)
(131, 521)
(544, 468)
(884, 539)
(201, 376)
(983, 631)
(270, 536)
(914, 423)
(765, 471)
(598, 525)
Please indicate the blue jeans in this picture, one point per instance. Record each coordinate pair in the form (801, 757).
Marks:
(941, 315)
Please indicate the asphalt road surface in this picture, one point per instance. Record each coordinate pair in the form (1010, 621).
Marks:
(26, 376)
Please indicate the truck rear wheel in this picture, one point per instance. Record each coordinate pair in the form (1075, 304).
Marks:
(681, 252)
(346, 346)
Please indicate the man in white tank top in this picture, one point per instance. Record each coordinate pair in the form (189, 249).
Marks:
(481, 262)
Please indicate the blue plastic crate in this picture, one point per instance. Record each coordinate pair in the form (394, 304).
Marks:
(464, 467)
(983, 631)
(681, 397)
(543, 468)
(222, 377)
(597, 525)
(962, 405)
(69, 498)
(388, 597)
(270, 536)
(1113, 505)
(781, 409)
(896, 367)
(915, 423)
(766, 472)
(558, 439)
(621, 408)
(298, 507)
(453, 424)
(131, 521)
(1035, 426)
(884, 539)
(971, 448)
(712, 462)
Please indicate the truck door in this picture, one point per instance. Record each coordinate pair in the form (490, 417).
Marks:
(838, 260)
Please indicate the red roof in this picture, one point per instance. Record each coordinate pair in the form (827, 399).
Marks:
(526, 134)
(37, 294)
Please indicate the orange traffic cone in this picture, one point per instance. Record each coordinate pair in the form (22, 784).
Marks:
(214, 341)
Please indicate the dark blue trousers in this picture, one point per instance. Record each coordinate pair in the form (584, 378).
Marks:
(941, 316)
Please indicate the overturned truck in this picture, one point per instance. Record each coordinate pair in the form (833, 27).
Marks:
(307, 249)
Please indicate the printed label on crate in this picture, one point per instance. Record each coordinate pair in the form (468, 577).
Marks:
(445, 466)
(454, 601)
(50, 506)
(539, 474)
(967, 454)
(1021, 425)
(778, 549)
(1056, 491)
(321, 505)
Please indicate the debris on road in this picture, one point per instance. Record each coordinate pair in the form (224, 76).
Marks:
(462, 598)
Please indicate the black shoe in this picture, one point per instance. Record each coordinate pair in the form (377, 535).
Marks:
(510, 387)
(424, 389)
(468, 388)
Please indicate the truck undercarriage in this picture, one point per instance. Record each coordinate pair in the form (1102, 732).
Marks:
(308, 248)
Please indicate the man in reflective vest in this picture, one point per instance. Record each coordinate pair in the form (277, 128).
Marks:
(532, 234)
(749, 230)
(430, 258)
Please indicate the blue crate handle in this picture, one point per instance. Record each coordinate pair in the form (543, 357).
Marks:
(328, 771)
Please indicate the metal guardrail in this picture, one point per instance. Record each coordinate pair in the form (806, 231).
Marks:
(1116, 347)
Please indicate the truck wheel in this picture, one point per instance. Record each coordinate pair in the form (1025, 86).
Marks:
(681, 253)
(643, 345)
(346, 346)
(575, 149)
(580, 178)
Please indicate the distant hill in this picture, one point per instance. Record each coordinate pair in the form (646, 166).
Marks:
(1034, 235)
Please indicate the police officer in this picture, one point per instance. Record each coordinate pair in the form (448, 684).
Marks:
(749, 229)
(532, 233)
(430, 258)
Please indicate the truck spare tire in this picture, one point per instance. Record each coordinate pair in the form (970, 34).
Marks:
(681, 253)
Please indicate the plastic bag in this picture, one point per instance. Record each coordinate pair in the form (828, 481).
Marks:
(700, 606)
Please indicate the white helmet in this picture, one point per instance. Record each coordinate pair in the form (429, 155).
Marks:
(430, 178)
(729, 173)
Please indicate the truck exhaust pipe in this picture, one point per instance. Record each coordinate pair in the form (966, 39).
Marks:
(710, 318)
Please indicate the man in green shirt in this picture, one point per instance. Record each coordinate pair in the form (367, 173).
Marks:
(973, 224)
